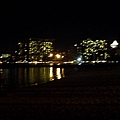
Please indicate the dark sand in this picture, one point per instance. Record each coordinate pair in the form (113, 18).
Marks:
(90, 93)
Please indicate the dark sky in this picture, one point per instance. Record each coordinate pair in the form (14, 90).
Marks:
(67, 22)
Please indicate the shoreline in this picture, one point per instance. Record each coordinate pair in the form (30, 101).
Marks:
(84, 94)
(27, 65)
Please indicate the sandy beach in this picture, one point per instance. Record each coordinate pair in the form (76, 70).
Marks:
(84, 94)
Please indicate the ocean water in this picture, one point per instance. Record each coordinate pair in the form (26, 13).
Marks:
(24, 77)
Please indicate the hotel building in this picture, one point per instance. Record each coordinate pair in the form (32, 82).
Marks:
(35, 49)
(93, 50)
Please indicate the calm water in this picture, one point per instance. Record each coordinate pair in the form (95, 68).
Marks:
(23, 77)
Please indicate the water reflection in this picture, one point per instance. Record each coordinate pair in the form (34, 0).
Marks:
(58, 74)
(23, 77)
(51, 74)
(2, 81)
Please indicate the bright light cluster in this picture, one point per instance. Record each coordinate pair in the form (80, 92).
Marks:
(114, 44)
(94, 50)
(35, 49)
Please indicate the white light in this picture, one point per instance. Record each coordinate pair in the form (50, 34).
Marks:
(36, 83)
(79, 63)
(75, 45)
(79, 59)
(114, 44)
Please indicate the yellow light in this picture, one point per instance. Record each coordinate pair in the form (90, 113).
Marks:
(58, 55)
(35, 62)
(50, 55)
(51, 74)
(58, 73)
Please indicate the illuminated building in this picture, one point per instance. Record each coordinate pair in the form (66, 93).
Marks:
(35, 49)
(6, 55)
(114, 51)
(114, 44)
(93, 50)
(22, 51)
(39, 49)
(5, 58)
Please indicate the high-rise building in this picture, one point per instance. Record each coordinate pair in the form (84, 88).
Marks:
(114, 51)
(92, 50)
(35, 49)
(39, 48)
(22, 51)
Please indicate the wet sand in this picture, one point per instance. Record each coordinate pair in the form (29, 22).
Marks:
(90, 93)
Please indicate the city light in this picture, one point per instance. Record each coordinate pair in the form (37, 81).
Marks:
(79, 59)
(58, 56)
(39, 51)
(114, 44)
(75, 44)
(50, 55)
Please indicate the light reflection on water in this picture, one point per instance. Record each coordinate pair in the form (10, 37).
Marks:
(23, 77)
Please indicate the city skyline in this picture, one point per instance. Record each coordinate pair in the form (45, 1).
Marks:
(37, 50)
(57, 47)
(68, 23)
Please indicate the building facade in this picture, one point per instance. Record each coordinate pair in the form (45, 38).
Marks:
(22, 51)
(93, 50)
(35, 49)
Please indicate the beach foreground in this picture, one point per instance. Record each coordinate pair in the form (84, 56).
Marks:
(85, 94)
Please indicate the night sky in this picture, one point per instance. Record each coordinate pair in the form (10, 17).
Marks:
(67, 22)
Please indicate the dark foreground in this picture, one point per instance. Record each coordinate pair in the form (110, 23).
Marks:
(84, 94)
